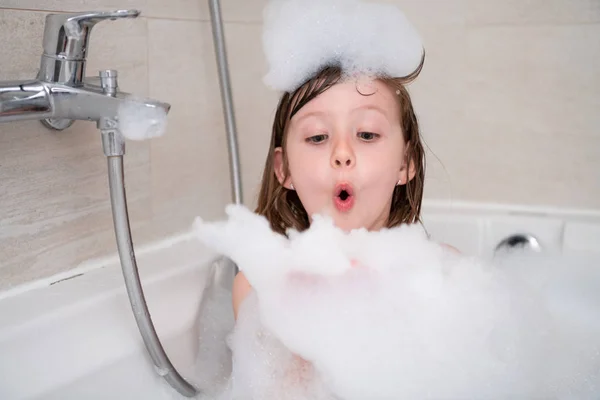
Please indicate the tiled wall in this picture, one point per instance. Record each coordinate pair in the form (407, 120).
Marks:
(508, 101)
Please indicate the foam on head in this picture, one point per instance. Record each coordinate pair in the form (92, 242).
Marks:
(302, 36)
(407, 319)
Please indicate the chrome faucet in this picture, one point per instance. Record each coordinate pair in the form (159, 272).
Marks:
(61, 93)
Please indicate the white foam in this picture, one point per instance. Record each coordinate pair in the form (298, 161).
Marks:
(300, 36)
(139, 121)
(412, 321)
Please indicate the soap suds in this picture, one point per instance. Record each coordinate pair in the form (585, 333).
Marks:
(391, 314)
(139, 121)
(302, 36)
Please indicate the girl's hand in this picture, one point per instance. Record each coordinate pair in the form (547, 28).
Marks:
(305, 278)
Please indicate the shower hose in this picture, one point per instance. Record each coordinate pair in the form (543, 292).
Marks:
(114, 148)
(164, 367)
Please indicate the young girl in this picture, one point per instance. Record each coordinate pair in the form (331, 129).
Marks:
(349, 147)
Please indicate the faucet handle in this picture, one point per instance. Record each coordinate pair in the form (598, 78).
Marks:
(66, 36)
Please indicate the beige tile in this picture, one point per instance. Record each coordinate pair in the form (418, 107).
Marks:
(185, 9)
(543, 77)
(55, 204)
(485, 12)
(237, 10)
(532, 119)
(439, 98)
(534, 172)
(427, 13)
(55, 208)
(255, 103)
(419, 12)
(190, 174)
(231, 10)
(17, 28)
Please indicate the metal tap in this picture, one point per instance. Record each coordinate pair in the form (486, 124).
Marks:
(61, 93)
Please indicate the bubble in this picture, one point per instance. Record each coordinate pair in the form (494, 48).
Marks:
(391, 314)
(139, 121)
(302, 36)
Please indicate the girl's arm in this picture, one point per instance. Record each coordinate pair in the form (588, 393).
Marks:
(451, 248)
(241, 289)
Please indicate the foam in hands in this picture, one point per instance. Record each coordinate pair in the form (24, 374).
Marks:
(391, 314)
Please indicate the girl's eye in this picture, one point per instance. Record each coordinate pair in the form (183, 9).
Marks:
(368, 136)
(316, 138)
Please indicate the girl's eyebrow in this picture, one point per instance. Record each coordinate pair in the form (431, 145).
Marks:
(315, 113)
(318, 113)
(371, 107)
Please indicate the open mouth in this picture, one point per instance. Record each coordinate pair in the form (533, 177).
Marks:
(343, 197)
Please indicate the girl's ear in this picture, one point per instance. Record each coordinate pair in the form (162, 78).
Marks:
(407, 170)
(279, 169)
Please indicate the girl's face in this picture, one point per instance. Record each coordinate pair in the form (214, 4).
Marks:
(346, 153)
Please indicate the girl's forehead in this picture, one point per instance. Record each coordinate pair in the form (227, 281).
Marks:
(352, 94)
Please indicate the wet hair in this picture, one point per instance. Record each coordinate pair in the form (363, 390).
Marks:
(282, 207)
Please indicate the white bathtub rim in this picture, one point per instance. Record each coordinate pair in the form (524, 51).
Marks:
(489, 209)
(94, 281)
(96, 264)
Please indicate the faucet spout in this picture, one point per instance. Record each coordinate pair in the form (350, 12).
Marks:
(90, 102)
(24, 101)
(37, 100)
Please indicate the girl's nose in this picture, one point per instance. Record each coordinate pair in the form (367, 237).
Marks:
(342, 156)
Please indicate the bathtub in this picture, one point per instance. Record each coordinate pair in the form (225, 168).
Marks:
(73, 336)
